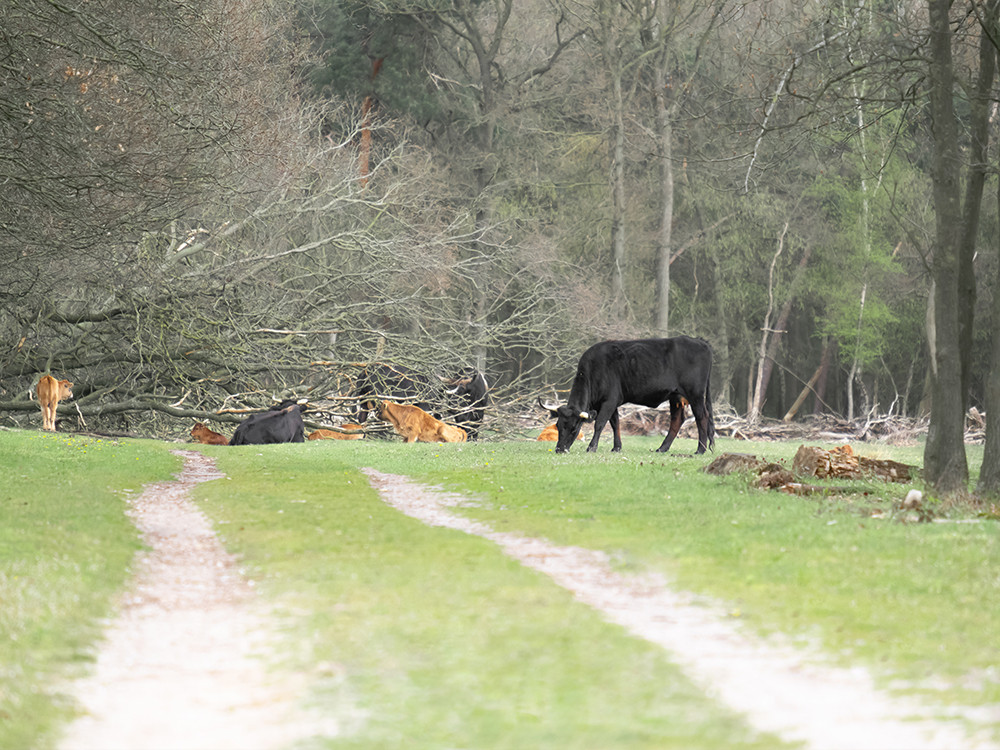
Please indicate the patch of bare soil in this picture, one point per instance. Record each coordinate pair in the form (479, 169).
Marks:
(778, 688)
(185, 662)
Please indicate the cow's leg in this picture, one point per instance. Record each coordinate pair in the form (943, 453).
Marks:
(618, 435)
(603, 415)
(676, 420)
(48, 417)
(599, 422)
(363, 408)
(701, 419)
(598, 426)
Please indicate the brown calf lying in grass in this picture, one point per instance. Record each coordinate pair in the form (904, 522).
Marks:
(552, 433)
(204, 435)
(414, 424)
(334, 435)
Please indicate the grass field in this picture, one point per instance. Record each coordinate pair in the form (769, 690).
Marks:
(427, 638)
(65, 548)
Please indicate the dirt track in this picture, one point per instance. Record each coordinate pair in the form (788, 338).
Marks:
(185, 664)
(778, 689)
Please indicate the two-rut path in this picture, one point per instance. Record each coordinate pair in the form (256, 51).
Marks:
(185, 663)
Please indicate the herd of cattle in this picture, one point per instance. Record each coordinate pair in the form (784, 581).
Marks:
(646, 372)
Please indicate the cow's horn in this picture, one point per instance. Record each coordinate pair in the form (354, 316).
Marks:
(584, 415)
(547, 407)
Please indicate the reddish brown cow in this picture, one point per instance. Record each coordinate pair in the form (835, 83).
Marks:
(552, 433)
(50, 392)
(414, 424)
(334, 435)
(202, 434)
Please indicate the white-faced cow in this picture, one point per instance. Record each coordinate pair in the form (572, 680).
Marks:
(646, 372)
(282, 423)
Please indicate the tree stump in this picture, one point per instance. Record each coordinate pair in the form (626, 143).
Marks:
(839, 463)
(842, 463)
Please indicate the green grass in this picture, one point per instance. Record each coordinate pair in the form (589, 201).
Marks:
(424, 637)
(65, 546)
(915, 602)
(430, 638)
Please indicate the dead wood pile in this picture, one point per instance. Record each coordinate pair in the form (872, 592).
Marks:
(812, 463)
(889, 429)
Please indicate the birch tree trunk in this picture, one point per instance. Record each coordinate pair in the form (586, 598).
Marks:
(758, 392)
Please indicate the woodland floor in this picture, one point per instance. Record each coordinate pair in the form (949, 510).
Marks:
(193, 640)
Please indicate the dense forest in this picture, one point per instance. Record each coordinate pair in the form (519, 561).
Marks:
(205, 203)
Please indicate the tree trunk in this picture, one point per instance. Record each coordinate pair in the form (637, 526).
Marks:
(617, 190)
(945, 466)
(824, 363)
(981, 102)
(366, 127)
(824, 369)
(664, 240)
(722, 359)
(989, 472)
(770, 338)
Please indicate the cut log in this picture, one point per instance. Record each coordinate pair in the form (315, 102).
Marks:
(889, 471)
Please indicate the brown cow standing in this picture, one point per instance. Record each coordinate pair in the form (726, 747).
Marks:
(334, 435)
(50, 392)
(202, 434)
(414, 424)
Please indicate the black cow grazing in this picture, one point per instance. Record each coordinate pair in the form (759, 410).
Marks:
(473, 392)
(380, 382)
(645, 372)
(282, 423)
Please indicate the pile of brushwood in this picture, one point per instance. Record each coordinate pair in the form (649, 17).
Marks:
(889, 429)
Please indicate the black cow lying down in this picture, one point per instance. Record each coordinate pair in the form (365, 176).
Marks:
(282, 423)
(646, 372)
